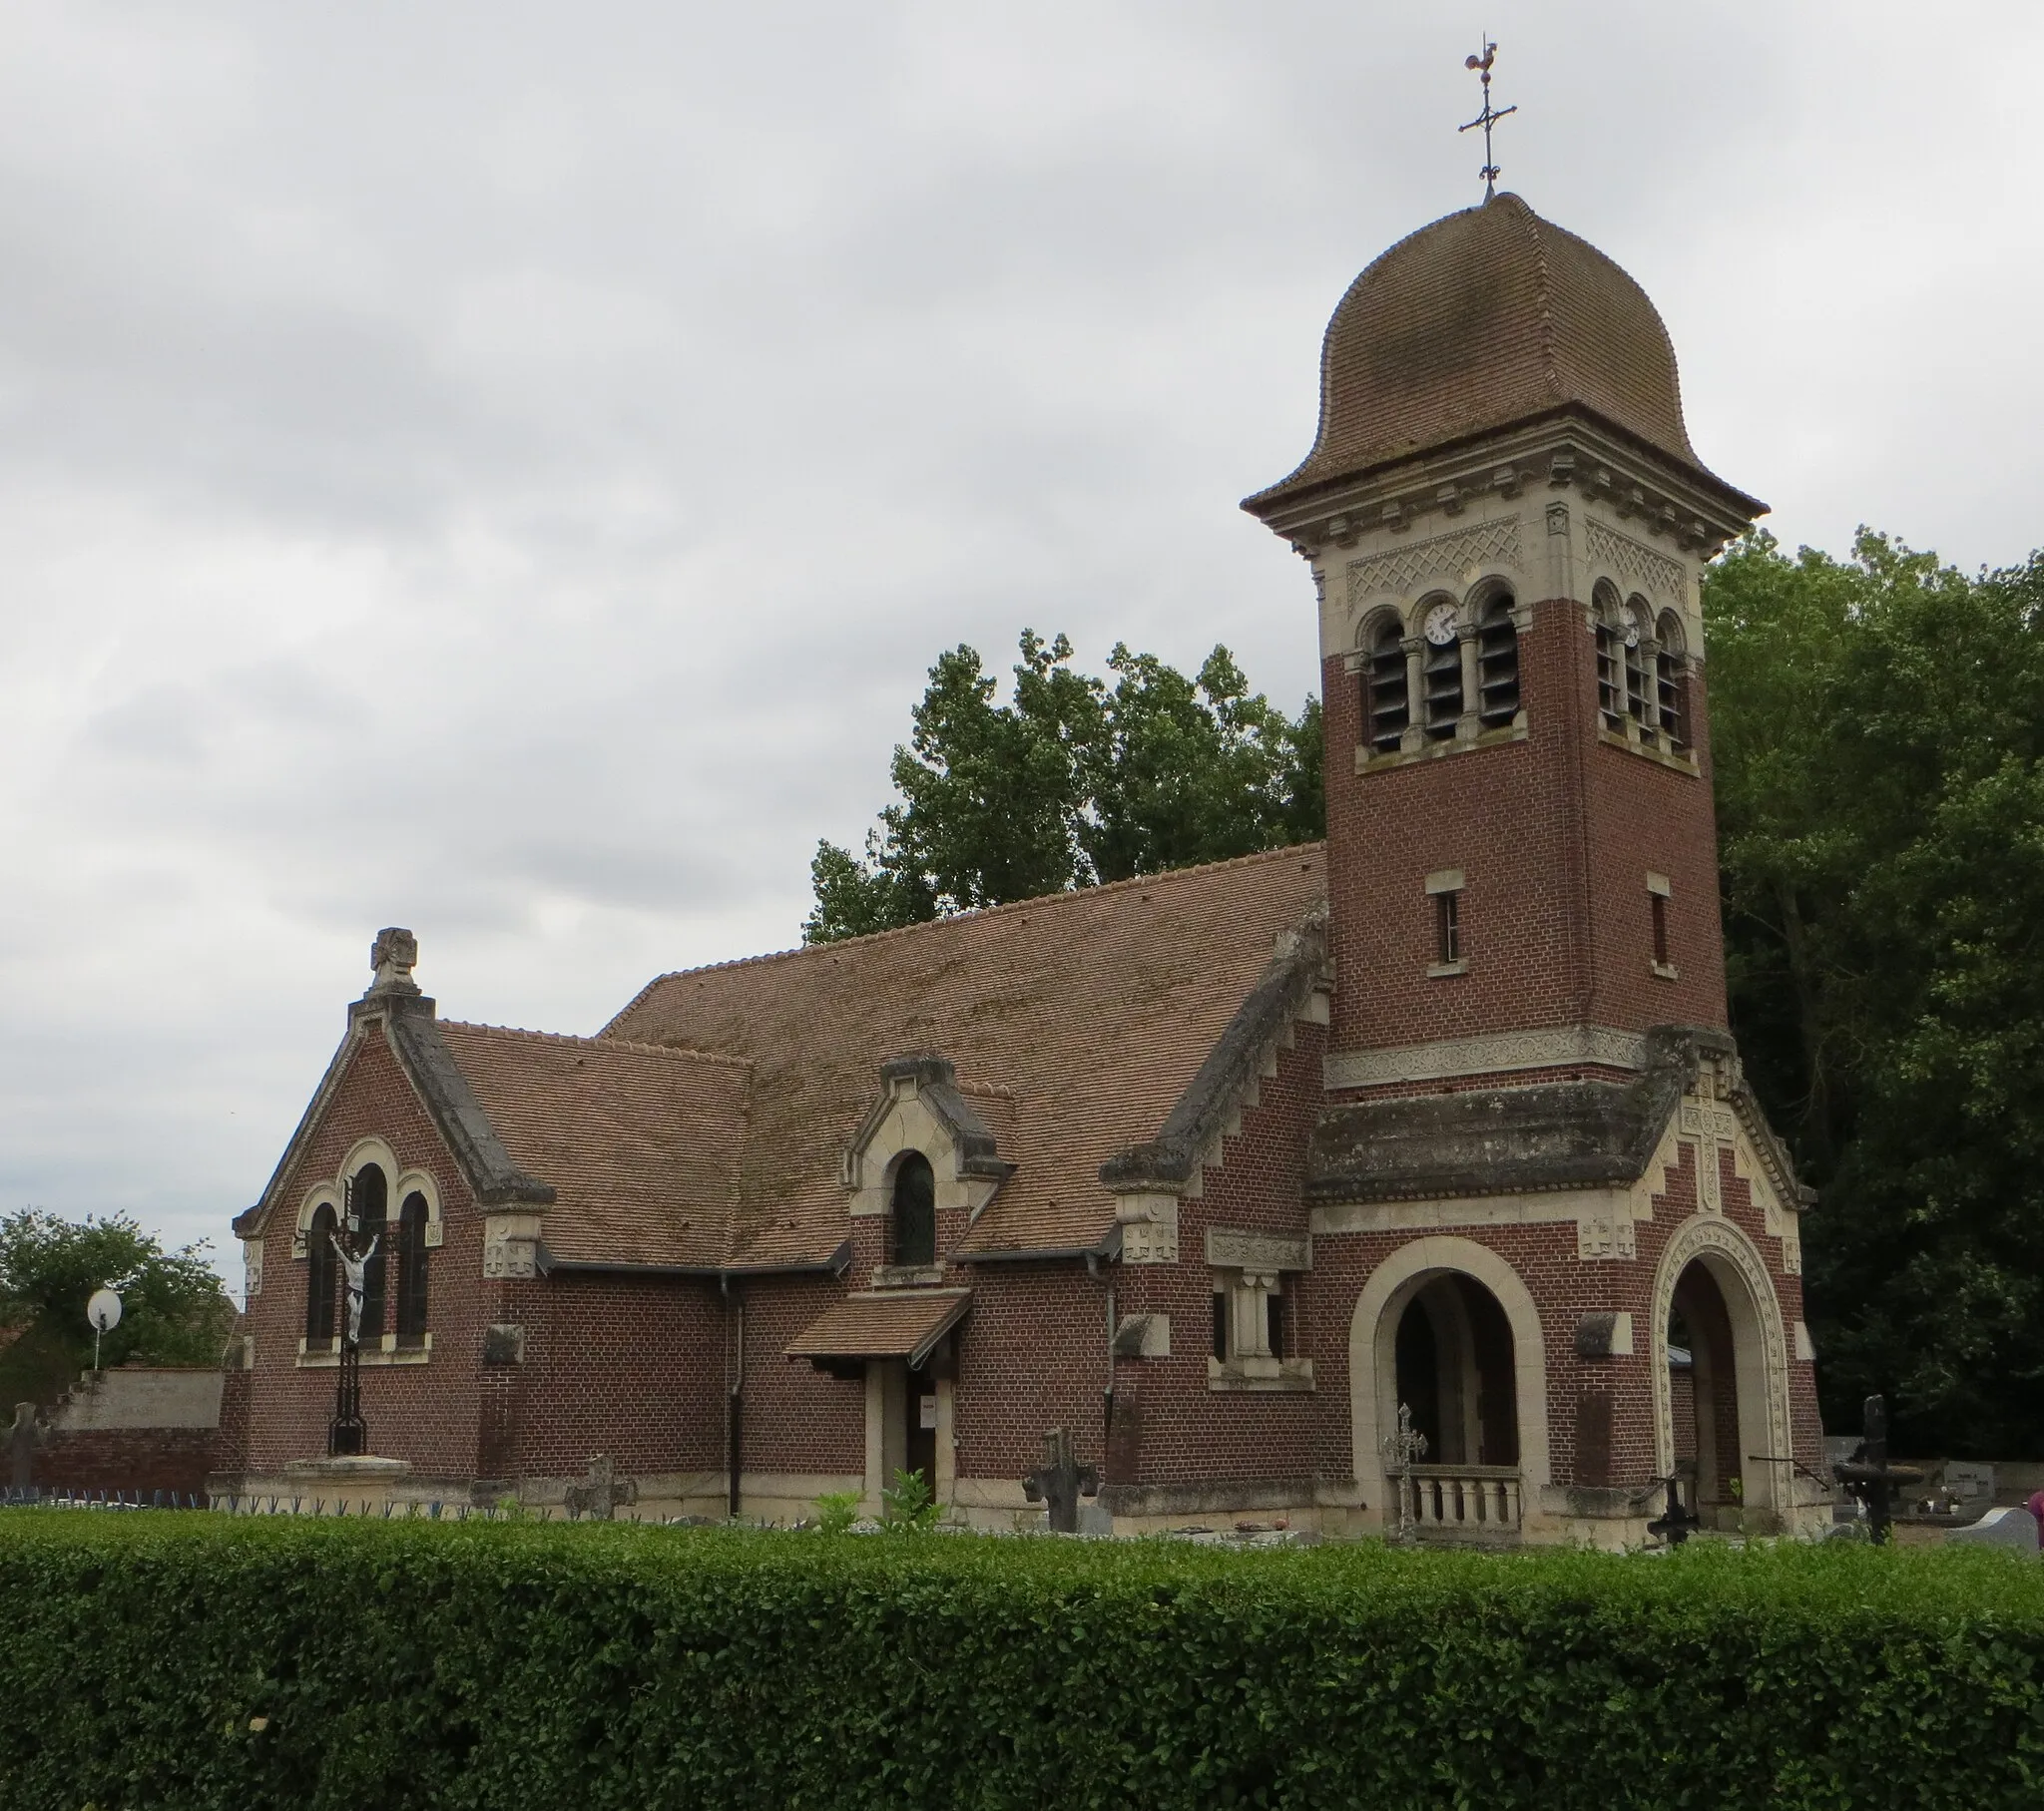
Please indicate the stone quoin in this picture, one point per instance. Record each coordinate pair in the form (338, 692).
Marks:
(1209, 1175)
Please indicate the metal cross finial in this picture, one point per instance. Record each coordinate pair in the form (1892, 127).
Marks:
(1488, 117)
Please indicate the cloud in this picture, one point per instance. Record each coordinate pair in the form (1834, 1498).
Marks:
(506, 469)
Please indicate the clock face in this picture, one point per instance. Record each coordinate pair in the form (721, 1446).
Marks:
(1439, 627)
(1630, 620)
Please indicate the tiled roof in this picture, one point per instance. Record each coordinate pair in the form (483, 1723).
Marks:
(1485, 318)
(1076, 1023)
(884, 1324)
(641, 1143)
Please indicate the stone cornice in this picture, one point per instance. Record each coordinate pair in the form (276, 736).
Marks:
(1558, 453)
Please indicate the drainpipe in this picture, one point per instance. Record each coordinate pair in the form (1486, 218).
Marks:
(734, 1406)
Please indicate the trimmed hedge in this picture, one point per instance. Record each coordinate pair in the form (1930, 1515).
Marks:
(202, 1661)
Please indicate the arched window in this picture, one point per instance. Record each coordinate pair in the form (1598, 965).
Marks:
(1385, 707)
(1637, 624)
(1671, 681)
(1441, 685)
(369, 1197)
(411, 1271)
(1608, 614)
(915, 1210)
(1497, 664)
(321, 1269)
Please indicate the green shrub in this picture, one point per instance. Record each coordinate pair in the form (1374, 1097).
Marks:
(201, 1661)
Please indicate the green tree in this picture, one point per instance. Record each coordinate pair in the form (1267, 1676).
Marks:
(1879, 733)
(172, 1310)
(1068, 783)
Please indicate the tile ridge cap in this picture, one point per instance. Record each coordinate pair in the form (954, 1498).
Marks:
(598, 1041)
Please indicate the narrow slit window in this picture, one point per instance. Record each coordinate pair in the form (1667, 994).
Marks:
(322, 1266)
(1447, 928)
(1660, 908)
(1221, 1325)
(369, 1199)
(1274, 1323)
(411, 1271)
(915, 1210)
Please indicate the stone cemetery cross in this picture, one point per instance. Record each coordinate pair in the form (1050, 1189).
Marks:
(1678, 1521)
(600, 1494)
(1868, 1474)
(1401, 1450)
(23, 1438)
(1060, 1482)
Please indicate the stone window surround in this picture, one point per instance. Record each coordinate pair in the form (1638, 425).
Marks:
(403, 1183)
(1659, 886)
(1452, 883)
(329, 1193)
(1249, 1271)
(1415, 744)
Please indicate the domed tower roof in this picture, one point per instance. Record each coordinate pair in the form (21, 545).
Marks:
(1487, 318)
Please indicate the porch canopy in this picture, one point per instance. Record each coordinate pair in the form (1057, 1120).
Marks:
(882, 1323)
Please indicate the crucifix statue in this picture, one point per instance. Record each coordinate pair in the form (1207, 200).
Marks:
(1402, 1450)
(600, 1494)
(1060, 1481)
(353, 1273)
(347, 1435)
(27, 1434)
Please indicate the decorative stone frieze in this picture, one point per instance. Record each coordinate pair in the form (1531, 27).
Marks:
(1556, 1048)
(1229, 1250)
(1444, 559)
(1662, 578)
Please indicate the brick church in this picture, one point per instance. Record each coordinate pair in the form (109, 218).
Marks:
(1234, 1174)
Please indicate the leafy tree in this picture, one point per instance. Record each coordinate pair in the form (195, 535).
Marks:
(173, 1311)
(1879, 732)
(1070, 782)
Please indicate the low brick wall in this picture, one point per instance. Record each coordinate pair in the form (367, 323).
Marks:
(126, 1459)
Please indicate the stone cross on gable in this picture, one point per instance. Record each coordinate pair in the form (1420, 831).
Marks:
(1060, 1481)
(602, 1492)
(23, 1438)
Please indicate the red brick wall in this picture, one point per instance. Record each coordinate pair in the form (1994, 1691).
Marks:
(621, 1365)
(1188, 1433)
(127, 1461)
(1555, 836)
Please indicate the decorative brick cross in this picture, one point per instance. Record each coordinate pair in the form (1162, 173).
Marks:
(600, 1494)
(1060, 1481)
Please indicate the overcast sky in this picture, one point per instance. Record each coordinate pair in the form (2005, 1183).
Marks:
(504, 469)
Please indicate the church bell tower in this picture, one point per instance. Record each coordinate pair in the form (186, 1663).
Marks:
(1507, 528)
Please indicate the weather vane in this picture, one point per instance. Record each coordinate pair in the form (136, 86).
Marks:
(1488, 117)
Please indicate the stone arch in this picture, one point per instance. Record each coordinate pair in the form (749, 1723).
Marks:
(1373, 1365)
(1374, 619)
(1760, 1354)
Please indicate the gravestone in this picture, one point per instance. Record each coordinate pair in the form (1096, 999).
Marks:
(602, 1492)
(1060, 1481)
(1969, 1483)
(2014, 1528)
(23, 1438)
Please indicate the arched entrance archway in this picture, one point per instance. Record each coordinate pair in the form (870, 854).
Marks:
(1726, 1412)
(1462, 1325)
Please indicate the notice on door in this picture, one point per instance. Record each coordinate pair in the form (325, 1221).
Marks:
(926, 1414)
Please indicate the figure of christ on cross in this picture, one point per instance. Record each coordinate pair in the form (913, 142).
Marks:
(353, 1272)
